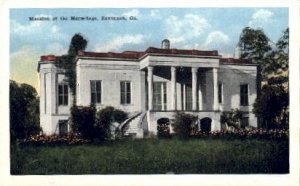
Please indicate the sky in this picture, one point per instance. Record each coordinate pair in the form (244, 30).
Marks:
(192, 28)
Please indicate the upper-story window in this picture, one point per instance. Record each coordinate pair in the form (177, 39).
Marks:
(220, 92)
(125, 92)
(96, 92)
(63, 94)
(244, 98)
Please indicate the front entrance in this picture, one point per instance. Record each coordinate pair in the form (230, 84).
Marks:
(205, 124)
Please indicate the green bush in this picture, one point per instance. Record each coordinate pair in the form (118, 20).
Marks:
(104, 120)
(83, 120)
(163, 128)
(119, 115)
(183, 124)
(232, 118)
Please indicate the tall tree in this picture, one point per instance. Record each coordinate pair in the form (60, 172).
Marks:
(255, 45)
(271, 105)
(278, 59)
(24, 110)
(67, 62)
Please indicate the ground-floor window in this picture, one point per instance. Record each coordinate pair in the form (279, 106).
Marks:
(244, 122)
(205, 124)
(63, 127)
(159, 96)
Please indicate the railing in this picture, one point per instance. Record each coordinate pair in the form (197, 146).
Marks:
(124, 126)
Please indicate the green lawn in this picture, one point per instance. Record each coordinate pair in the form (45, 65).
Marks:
(154, 156)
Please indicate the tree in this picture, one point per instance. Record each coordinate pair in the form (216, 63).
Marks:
(255, 45)
(67, 62)
(271, 105)
(278, 59)
(24, 110)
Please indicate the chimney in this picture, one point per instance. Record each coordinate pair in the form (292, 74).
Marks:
(237, 53)
(165, 44)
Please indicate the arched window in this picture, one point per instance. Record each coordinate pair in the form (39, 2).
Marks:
(205, 124)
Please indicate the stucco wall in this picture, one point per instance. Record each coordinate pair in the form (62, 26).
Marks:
(110, 75)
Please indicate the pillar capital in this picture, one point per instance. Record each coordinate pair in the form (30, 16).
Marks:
(194, 69)
(173, 69)
(150, 68)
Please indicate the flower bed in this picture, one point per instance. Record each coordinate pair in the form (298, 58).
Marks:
(274, 134)
(54, 140)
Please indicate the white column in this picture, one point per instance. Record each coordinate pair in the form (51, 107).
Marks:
(215, 86)
(194, 87)
(200, 96)
(173, 88)
(184, 97)
(150, 88)
(54, 95)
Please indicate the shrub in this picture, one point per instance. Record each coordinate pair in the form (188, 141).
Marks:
(119, 115)
(83, 120)
(232, 118)
(163, 128)
(37, 140)
(104, 120)
(183, 124)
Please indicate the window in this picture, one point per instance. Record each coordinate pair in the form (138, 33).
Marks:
(95, 92)
(125, 92)
(244, 122)
(63, 94)
(159, 96)
(244, 95)
(63, 127)
(188, 97)
(220, 92)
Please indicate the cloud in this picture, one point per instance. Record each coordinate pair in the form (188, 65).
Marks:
(154, 13)
(56, 49)
(119, 42)
(190, 26)
(261, 17)
(32, 27)
(37, 29)
(23, 66)
(133, 12)
(215, 39)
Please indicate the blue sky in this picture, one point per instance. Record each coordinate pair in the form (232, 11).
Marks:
(199, 28)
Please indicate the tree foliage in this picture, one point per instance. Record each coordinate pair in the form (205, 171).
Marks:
(232, 118)
(67, 62)
(183, 124)
(104, 120)
(271, 105)
(278, 59)
(92, 124)
(255, 45)
(24, 110)
(83, 121)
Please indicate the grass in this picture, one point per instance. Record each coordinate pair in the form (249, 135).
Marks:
(154, 156)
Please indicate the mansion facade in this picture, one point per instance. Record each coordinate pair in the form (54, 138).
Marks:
(150, 85)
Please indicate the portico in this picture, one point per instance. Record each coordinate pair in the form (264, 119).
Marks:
(181, 92)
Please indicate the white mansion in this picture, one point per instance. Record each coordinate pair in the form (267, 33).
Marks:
(150, 85)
